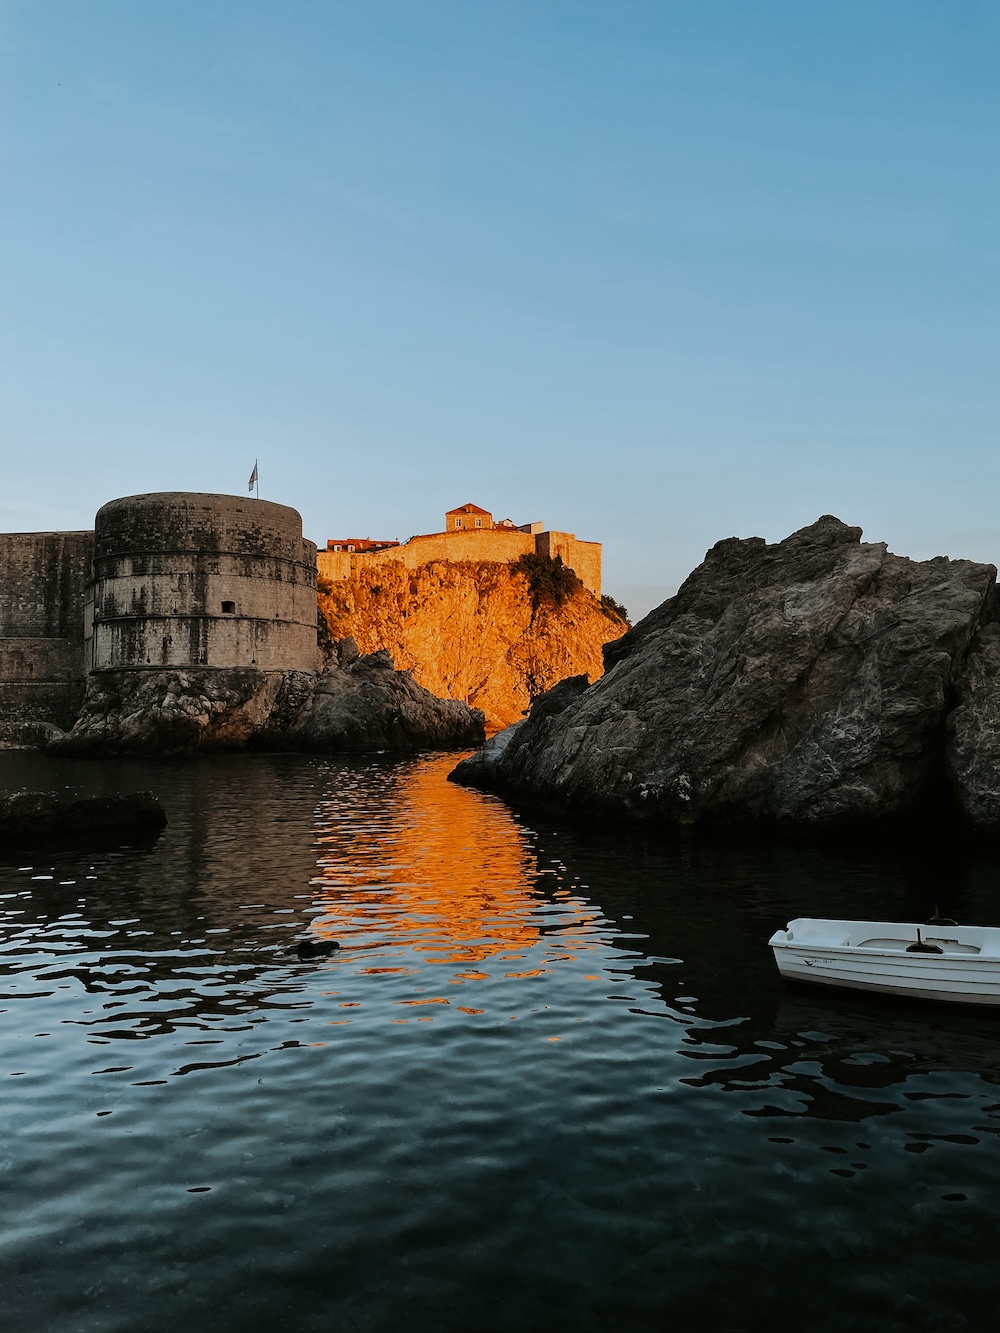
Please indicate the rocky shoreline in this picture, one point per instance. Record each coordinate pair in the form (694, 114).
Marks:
(818, 683)
(357, 703)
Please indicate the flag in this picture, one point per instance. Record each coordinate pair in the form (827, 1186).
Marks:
(253, 477)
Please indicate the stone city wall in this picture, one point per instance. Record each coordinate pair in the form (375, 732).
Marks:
(43, 576)
(584, 558)
(501, 545)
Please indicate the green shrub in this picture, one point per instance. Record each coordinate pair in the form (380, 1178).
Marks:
(549, 579)
(614, 610)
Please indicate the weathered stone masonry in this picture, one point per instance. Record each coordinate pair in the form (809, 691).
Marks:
(185, 579)
(171, 580)
(43, 576)
(502, 545)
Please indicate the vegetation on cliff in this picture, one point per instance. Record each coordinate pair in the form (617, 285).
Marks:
(493, 635)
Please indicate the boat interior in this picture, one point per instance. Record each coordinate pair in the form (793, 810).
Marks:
(892, 936)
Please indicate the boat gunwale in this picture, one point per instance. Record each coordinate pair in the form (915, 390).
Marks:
(839, 950)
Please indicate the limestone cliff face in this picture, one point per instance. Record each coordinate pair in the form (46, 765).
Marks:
(493, 635)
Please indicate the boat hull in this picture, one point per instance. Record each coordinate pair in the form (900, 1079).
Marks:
(964, 970)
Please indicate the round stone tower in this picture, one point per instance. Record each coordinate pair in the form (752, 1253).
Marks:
(188, 580)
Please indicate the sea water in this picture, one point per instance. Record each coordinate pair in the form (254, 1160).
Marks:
(550, 1079)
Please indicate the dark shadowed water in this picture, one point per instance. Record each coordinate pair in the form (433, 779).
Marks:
(551, 1080)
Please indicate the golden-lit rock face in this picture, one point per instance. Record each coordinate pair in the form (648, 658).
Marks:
(472, 630)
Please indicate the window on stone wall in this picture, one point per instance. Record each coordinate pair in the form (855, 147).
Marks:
(479, 522)
(228, 608)
(458, 522)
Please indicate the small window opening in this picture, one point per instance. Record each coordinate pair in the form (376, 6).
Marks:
(479, 522)
(458, 522)
(228, 608)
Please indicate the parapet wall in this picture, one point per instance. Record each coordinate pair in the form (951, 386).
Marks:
(43, 576)
(501, 545)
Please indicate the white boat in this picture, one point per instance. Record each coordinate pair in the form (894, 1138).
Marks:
(936, 961)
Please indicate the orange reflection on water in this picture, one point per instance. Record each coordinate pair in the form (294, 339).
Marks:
(430, 868)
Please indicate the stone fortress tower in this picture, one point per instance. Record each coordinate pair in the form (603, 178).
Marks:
(182, 579)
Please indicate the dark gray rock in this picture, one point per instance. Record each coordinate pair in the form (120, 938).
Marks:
(560, 696)
(180, 712)
(804, 683)
(366, 705)
(31, 817)
(973, 748)
(347, 651)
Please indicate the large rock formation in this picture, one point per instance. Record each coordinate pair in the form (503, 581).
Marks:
(805, 683)
(358, 703)
(491, 634)
(364, 703)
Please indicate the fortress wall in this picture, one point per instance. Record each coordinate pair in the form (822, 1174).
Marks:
(335, 565)
(185, 521)
(42, 580)
(41, 680)
(584, 558)
(502, 545)
(188, 641)
(202, 580)
(43, 576)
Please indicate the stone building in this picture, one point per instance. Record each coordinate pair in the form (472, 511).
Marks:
(466, 517)
(184, 579)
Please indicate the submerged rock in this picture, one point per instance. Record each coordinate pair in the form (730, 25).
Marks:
(42, 817)
(311, 951)
(358, 703)
(804, 683)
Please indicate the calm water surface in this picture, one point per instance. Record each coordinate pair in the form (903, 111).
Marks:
(550, 1081)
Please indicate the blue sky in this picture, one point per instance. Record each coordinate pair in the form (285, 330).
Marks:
(656, 273)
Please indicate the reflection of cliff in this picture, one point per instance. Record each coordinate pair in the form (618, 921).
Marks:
(452, 878)
(474, 630)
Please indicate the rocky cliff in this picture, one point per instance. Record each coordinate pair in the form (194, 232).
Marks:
(358, 703)
(491, 634)
(816, 682)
